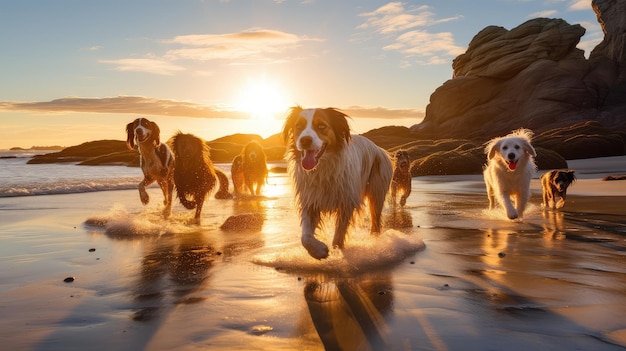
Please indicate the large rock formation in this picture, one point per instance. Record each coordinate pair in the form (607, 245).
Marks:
(533, 76)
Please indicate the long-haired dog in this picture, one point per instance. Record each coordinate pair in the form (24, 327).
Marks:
(155, 158)
(401, 180)
(249, 169)
(554, 186)
(333, 173)
(509, 169)
(194, 174)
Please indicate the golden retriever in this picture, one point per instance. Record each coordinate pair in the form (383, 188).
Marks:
(333, 173)
(194, 173)
(509, 169)
(249, 169)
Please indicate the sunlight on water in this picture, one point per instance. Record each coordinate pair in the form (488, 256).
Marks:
(360, 254)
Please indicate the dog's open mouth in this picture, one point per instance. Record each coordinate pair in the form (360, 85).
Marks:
(310, 158)
(512, 164)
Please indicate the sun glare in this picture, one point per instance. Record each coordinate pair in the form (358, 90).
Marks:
(263, 101)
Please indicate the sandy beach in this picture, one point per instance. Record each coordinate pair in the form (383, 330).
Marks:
(446, 274)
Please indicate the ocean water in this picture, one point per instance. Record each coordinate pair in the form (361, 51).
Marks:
(17, 178)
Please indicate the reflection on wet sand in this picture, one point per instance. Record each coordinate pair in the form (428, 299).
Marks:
(171, 271)
(351, 313)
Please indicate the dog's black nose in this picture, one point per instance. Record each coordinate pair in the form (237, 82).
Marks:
(306, 142)
(511, 156)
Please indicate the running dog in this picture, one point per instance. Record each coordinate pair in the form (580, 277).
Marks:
(401, 181)
(554, 186)
(509, 169)
(194, 173)
(334, 173)
(249, 169)
(155, 159)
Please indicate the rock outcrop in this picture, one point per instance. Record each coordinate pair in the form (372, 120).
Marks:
(533, 76)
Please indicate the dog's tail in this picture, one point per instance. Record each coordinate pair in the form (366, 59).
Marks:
(222, 192)
(188, 204)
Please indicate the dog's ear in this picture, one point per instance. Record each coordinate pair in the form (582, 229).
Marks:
(492, 148)
(130, 135)
(339, 122)
(571, 176)
(530, 149)
(156, 133)
(290, 122)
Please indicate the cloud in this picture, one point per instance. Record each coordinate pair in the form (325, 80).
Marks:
(393, 18)
(381, 112)
(546, 13)
(155, 66)
(244, 45)
(405, 27)
(125, 105)
(157, 107)
(580, 5)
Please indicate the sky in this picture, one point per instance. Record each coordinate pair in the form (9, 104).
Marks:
(73, 71)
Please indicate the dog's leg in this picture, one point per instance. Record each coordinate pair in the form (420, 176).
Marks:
(521, 201)
(511, 212)
(143, 194)
(405, 195)
(199, 199)
(491, 196)
(167, 186)
(561, 201)
(341, 227)
(315, 248)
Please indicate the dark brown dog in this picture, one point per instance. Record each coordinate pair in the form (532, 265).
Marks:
(249, 169)
(194, 174)
(156, 160)
(554, 186)
(401, 181)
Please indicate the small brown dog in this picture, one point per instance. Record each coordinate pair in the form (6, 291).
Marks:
(554, 186)
(194, 173)
(249, 169)
(401, 181)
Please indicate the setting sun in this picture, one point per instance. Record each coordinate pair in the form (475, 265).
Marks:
(263, 101)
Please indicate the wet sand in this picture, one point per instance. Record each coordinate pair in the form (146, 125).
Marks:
(447, 274)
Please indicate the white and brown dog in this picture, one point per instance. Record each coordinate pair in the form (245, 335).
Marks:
(334, 173)
(509, 169)
(155, 158)
(554, 186)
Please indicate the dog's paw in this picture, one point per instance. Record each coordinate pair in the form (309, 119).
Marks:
(144, 197)
(315, 248)
(512, 214)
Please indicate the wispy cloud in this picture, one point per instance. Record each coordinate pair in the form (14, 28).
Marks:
(138, 105)
(242, 45)
(124, 105)
(381, 112)
(155, 66)
(546, 13)
(406, 27)
(580, 5)
(256, 45)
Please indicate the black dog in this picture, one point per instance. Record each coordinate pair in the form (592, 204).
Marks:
(554, 185)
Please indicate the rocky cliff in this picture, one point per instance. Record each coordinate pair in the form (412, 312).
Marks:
(533, 76)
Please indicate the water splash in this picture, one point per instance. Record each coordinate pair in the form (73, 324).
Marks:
(362, 253)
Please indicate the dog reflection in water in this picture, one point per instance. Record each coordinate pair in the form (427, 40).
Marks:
(350, 314)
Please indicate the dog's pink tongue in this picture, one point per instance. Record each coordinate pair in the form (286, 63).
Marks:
(512, 165)
(308, 161)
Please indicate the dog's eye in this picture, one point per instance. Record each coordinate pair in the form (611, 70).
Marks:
(321, 126)
(505, 148)
(516, 147)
